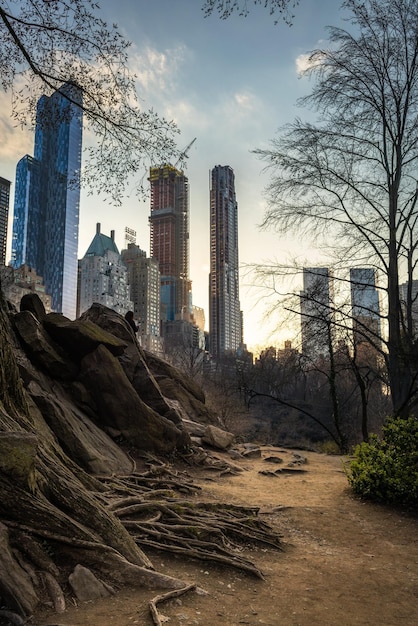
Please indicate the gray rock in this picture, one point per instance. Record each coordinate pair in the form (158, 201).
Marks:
(86, 586)
(79, 437)
(32, 302)
(41, 349)
(120, 408)
(218, 438)
(273, 459)
(252, 453)
(193, 428)
(79, 338)
(234, 454)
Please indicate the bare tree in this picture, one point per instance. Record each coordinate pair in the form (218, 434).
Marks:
(352, 176)
(45, 43)
(337, 322)
(183, 349)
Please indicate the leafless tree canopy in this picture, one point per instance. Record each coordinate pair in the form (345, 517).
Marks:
(45, 43)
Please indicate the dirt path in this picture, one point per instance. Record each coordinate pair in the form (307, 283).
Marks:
(345, 562)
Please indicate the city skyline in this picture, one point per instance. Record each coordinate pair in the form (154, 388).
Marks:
(230, 84)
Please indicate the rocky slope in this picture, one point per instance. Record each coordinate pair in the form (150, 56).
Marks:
(76, 399)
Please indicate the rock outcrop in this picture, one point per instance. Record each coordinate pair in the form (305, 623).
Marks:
(94, 386)
(77, 399)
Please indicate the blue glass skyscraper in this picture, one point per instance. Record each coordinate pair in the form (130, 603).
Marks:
(47, 198)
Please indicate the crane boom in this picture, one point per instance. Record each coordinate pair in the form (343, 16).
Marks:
(183, 154)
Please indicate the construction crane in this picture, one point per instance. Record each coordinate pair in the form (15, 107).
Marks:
(183, 154)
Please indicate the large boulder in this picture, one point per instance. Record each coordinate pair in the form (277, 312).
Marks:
(109, 321)
(132, 359)
(121, 411)
(180, 388)
(31, 302)
(218, 438)
(95, 381)
(41, 348)
(80, 337)
(158, 383)
(79, 437)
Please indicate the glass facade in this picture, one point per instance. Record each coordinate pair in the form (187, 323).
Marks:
(47, 198)
(365, 305)
(27, 233)
(316, 308)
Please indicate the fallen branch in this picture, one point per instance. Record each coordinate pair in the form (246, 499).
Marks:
(166, 596)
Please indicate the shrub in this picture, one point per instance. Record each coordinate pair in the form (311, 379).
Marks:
(328, 447)
(386, 469)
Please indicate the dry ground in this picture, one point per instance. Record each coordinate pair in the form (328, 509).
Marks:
(345, 562)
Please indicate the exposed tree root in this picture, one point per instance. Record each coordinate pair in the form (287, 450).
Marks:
(161, 519)
(166, 596)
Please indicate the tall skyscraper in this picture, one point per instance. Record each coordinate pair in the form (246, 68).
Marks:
(103, 276)
(316, 312)
(4, 217)
(47, 198)
(365, 305)
(225, 324)
(144, 285)
(169, 238)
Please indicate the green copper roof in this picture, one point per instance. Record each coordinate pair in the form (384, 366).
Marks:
(100, 244)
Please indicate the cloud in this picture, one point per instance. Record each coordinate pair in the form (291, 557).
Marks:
(246, 101)
(157, 70)
(15, 141)
(302, 63)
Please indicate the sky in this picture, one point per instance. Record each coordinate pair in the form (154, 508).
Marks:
(231, 84)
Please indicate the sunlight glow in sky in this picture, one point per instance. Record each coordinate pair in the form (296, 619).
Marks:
(231, 84)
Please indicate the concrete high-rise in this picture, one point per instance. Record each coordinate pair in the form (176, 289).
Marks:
(169, 238)
(16, 283)
(225, 322)
(144, 285)
(408, 295)
(47, 198)
(103, 276)
(316, 312)
(4, 217)
(365, 306)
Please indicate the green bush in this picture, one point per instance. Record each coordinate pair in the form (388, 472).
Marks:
(386, 469)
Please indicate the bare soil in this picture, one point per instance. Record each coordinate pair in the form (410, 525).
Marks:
(345, 562)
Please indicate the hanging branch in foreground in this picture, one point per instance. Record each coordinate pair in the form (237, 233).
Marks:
(280, 9)
(43, 45)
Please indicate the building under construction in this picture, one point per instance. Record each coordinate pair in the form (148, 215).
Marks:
(169, 239)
